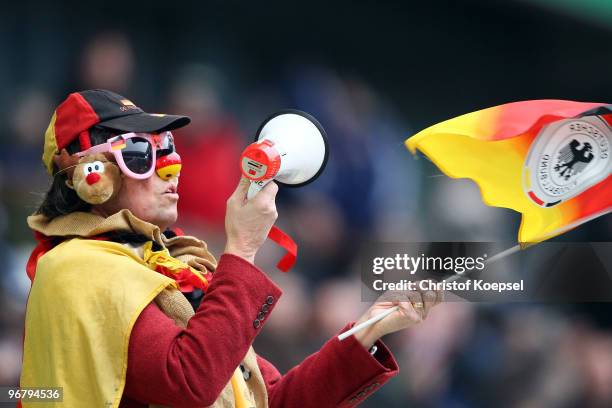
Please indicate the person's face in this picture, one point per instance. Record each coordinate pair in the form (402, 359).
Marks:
(153, 200)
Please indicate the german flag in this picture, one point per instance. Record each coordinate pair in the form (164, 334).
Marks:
(547, 159)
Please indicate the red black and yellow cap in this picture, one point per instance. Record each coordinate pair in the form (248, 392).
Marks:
(81, 110)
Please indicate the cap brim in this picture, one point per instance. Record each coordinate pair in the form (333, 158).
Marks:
(146, 122)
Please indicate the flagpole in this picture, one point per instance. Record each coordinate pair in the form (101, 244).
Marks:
(387, 312)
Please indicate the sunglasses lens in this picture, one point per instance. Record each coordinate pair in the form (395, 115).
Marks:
(167, 145)
(138, 155)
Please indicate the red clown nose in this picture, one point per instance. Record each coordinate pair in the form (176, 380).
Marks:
(92, 178)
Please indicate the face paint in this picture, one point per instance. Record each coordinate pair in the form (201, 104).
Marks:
(168, 166)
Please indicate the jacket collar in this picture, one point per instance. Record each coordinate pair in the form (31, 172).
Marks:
(86, 224)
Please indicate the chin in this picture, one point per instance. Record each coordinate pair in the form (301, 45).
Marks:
(162, 220)
(166, 222)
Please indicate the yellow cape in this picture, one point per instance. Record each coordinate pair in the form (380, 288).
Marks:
(83, 304)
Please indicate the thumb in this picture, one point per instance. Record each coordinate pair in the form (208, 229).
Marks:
(242, 188)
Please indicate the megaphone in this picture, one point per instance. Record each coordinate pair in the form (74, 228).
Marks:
(290, 147)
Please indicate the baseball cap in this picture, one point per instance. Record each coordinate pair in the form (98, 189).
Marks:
(82, 110)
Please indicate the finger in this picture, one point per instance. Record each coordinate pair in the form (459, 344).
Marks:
(393, 296)
(268, 193)
(439, 296)
(417, 302)
(409, 311)
(429, 297)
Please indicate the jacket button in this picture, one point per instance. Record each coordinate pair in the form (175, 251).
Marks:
(256, 323)
(270, 299)
(361, 394)
(265, 307)
(261, 315)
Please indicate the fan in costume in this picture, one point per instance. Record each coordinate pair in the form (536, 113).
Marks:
(115, 314)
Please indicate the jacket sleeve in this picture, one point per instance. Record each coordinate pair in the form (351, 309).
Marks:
(172, 366)
(340, 374)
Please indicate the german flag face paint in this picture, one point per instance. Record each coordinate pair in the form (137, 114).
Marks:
(168, 166)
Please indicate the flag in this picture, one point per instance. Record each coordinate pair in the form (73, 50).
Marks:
(547, 159)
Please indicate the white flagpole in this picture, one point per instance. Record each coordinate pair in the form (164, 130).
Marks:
(367, 323)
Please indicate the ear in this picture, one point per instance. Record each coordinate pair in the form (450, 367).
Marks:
(69, 183)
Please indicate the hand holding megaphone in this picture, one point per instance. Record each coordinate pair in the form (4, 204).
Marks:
(291, 148)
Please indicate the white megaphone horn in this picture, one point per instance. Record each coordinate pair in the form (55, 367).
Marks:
(290, 147)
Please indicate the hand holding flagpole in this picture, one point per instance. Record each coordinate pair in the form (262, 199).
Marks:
(386, 313)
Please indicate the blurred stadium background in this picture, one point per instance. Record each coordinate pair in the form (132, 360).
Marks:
(372, 73)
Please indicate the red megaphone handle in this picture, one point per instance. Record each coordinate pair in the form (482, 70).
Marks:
(285, 241)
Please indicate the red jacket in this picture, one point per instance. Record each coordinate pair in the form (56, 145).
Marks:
(171, 366)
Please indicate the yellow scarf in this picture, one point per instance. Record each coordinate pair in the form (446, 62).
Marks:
(184, 275)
